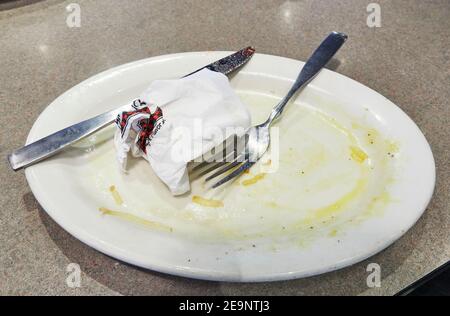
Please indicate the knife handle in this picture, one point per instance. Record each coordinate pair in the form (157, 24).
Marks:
(59, 140)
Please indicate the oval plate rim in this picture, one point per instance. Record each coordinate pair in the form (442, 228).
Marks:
(212, 274)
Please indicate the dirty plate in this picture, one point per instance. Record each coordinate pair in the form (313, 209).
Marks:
(349, 174)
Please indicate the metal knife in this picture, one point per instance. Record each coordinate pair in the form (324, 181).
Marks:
(51, 144)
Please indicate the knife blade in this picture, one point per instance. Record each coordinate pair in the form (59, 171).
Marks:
(53, 143)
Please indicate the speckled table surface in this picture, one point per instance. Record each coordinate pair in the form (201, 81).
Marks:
(406, 59)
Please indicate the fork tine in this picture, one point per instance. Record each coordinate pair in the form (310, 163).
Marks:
(224, 154)
(212, 167)
(230, 166)
(234, 174)
(201, 165)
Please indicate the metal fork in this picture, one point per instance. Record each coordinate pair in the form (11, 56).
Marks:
(257, 138)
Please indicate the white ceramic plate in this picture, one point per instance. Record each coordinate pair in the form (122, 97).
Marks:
(354, 173)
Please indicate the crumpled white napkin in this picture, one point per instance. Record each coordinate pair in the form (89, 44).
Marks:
(176, 121)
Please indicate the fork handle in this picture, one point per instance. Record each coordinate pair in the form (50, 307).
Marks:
(321, 56)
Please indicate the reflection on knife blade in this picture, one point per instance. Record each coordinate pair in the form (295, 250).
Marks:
(230, 63)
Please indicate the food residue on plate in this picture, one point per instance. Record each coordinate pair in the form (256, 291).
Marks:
(254, 179)
(333, 233)
(272, 204)
(136, 219)
(115, 194)
(206, 202)
(315, 185)
(358, 154)
(267, 163)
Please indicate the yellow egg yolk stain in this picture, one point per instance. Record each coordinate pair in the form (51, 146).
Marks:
(253, 180)
(333, 233)
(392, 147)
(337, 206)
(206, 202)
(358, 154)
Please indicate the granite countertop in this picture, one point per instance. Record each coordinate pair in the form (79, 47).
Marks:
(406, 60)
